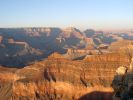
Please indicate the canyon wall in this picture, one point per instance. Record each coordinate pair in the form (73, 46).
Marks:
(61, 79)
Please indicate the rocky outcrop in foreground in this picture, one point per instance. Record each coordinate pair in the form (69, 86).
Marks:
(123, 83)
(60, 79)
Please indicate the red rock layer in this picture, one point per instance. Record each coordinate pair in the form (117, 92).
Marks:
(60, 79)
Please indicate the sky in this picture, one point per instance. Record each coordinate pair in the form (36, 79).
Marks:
(96, 14)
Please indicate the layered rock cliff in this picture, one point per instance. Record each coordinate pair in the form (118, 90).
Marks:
(61, 79)
(24, 44)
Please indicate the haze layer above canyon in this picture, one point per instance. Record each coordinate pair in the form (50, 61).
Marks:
(65, 64)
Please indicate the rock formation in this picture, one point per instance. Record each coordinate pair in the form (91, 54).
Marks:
(123, 84)
(131, 65)
(64, 64)
(58, 78)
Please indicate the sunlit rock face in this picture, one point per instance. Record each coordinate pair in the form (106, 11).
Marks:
(125, 46)
(57, 78)
(121, 70)
(131, 65)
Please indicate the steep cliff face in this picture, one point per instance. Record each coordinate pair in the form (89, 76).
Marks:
(123, 83)
(121, 46)
(111, 57)
(61, 79)
(17, 53)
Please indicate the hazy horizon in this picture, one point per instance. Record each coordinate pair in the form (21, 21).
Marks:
(99, 15)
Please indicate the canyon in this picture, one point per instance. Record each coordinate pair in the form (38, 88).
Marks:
(65, 64)
(58, 78)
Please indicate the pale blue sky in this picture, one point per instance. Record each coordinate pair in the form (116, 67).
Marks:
(97, 14)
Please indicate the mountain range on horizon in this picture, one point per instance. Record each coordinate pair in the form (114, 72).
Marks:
(82, 30)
